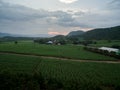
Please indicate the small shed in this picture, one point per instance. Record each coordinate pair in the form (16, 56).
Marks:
(109, 49)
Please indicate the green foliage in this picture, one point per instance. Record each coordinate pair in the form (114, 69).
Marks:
(10, 38)
(67, 51)
(104, 52)
(20, 81)
(112, 33)
(116, 46)
(23, 72)
(75, 33)
(105, 43)
(16, 42)
(41, 40)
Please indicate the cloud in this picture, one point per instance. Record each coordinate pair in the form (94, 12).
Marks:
(68, 1)
(21, 19)
(115, 1)
(114, 5)
(65, 19)
(19, 13)
(52, 31)
(57, 33)
(24, 14)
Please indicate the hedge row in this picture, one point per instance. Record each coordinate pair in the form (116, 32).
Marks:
(103, 52)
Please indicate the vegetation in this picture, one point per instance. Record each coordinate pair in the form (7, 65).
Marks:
(86, 38)
(106, 43)
(33, 73)
(66, 51)
(75, 33)
(10, 38)
(20, 72)
(116, 46)
(104, 52)
(112, 33)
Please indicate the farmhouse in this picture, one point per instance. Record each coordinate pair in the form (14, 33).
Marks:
(49, 42)
(109, 49)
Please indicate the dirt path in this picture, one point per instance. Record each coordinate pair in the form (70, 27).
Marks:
(58, 58)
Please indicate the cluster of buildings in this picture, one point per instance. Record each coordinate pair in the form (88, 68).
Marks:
(53, 42)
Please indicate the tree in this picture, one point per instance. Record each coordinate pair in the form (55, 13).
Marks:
(116, 46)
(16, 42)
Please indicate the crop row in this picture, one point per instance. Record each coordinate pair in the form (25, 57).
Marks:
(66, 51)
(48, 74)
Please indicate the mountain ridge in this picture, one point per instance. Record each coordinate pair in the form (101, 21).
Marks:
(75, 33)
(103, 33)
(112, 33)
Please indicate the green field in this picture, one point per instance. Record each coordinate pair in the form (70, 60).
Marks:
(106, 43)
(66, 75)
(66, 51)
(30, 72)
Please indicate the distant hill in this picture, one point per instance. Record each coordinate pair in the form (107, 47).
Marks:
(112, 33)
(10, 35)
(40, 35)
(4, 34)
(10, 38)
(76, 33)
(20, 35)
(58, 37)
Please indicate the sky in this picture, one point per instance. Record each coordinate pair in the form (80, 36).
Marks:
(57, 16)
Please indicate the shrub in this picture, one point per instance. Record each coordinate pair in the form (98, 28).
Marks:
(116, 46)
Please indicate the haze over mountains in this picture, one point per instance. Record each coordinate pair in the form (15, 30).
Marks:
(97, 34)
(20, 35)
(4, 34)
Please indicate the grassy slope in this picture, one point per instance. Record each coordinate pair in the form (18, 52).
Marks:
(106, 43)
(101, 74)
(75, 52)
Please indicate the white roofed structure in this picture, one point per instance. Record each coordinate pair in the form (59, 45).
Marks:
(109, 49)
(49, 42)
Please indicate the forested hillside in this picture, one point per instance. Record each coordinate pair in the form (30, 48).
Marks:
(112, 33)
(76, 33)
